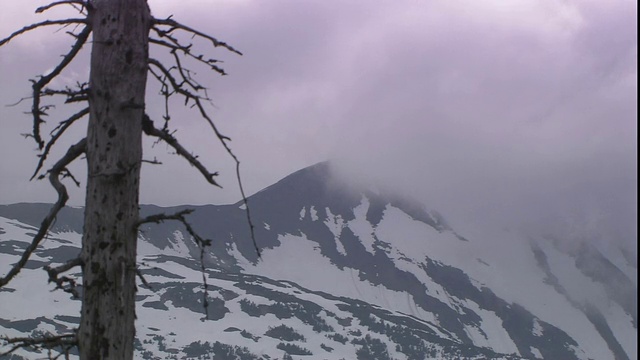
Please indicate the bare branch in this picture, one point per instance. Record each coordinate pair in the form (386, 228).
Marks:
(173, 25)
(54, 178)
(60, 282)
(170, 86)
(200, 242)
(65, 173)
(185, 74)
(149, 129)
(186, 49)
(59, 130)
(246, 206)
(37, 86)
(178, 88)
(179, 216)
(238, 177)
(64, 341)
(164, 91)
(71, 95)
(74, 3)
(144, 281)
(41, 24)
(152, 162)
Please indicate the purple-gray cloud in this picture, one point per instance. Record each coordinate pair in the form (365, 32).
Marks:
(485, 110)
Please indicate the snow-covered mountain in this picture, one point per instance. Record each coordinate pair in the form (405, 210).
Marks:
(345, 273)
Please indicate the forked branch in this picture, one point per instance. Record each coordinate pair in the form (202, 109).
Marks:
(65, 283)
(175, 47)
(174, 25)
(72, 96)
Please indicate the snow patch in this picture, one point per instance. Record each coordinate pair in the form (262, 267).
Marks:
(405, 234)
(336, 224)
(314, 213)
(536, 352)
(493, 335)
(537, 329)
(361, 227)
(621, 324)
(297, 252)
(178, 244)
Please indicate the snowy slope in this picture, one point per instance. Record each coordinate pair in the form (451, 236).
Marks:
(243, 311)
(344, 274)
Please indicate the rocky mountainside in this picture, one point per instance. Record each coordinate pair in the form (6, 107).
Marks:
(345, 273)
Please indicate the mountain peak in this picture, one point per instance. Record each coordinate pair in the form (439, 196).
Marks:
(314, 176)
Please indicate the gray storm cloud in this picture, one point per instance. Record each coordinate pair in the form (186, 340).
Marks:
(488, 111)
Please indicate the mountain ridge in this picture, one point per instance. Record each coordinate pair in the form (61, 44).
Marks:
(349, 249)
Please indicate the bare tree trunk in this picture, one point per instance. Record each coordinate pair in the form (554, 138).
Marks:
(114, 152)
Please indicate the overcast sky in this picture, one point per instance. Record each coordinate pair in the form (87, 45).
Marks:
(502, 109)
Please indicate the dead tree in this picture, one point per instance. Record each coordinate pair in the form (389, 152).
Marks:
(119, 33)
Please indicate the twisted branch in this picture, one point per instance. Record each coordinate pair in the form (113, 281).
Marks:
(54, 178)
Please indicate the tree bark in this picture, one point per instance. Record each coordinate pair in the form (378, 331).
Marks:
(114, 152)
